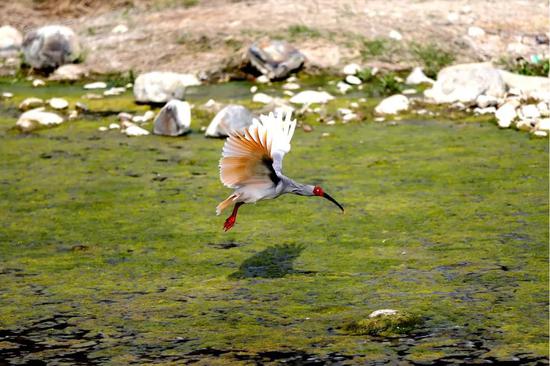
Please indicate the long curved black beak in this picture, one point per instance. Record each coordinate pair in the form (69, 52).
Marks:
(328, 197)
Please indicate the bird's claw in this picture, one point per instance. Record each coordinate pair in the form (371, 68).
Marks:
(229, 223)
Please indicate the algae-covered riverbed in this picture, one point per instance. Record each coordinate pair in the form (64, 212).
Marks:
(111, 251)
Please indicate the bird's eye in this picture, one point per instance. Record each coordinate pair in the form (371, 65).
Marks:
(318, 191)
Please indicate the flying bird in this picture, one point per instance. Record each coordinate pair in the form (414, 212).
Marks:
(252, 164)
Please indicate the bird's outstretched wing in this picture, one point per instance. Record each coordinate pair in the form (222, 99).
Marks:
(255, 157)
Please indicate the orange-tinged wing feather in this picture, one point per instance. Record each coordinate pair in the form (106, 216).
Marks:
(247, 160)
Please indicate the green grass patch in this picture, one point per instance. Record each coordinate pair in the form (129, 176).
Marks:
(432, 57)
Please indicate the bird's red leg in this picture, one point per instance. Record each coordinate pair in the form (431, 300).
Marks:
(231, 219)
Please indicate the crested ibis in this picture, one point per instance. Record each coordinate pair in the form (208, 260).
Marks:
(252, 163)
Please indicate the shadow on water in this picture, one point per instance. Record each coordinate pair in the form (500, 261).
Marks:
(273, 262)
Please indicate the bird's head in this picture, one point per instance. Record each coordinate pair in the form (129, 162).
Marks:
(318, 191)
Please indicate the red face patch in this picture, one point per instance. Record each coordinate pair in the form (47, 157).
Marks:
(318, 191)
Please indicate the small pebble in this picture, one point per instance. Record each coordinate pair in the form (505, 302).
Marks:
(114, 126)
(307, 128)
(325, 134)
(253, 89)
(102, 128)
(7, 95)
(38, 82)
(96, 85)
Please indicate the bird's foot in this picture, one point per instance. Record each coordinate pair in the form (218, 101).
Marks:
(229, 222)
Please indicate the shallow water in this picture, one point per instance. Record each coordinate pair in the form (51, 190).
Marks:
(111, 251)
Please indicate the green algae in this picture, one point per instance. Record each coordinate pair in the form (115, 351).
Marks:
(445, 219)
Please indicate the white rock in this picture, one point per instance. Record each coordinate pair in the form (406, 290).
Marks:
(543, 109)
(466, 9)
(417, 76)
(351, 69)
(102, 129)
(543, 124)
(475, 32)
(114, 126)
(353, 80)
(288, 93)
(50, 47)
(38, 83)
(174, 119)
(488, 110)
(7, 95)
(464, 83)
(291, 86)
(395, 35)
(231, 118)
(343, 87)
(129, 85)
(10, 40)
(35, 118)
(529, 111)
(146, 117)
(311, 97)
(354, 105)
(31, 103)
(344, 111)
(69, 72)
(58, 103)
(114, 91)
(393, 105)
(536, 87)
(95, 85)
(409, 91)
(505, 115)
(379, 119)
(262, 79)
(484, 101)
(350, 117)
(453, 17)
(253, 89)
(540, 133)
(119, 29)
(262, 98)
(383, 312)
(160, 87)
(72, 115)
(134, 130)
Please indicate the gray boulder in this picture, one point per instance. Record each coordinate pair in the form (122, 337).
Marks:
(464, 83)
(10, 41)
(174, 119)
(161, 87)
(231, 118)
(50, 47)
(275, 59)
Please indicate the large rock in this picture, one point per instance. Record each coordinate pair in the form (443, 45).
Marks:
(505, 115)
(161, 87)
(275, 59)
(36, 118)
(50, 47)
(231, 118)
(10, 41)
(393, 105)
(174, 119)
(537, 87)
(311, 96)
(464, 83)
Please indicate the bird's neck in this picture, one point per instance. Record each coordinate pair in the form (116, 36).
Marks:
(291, 186)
